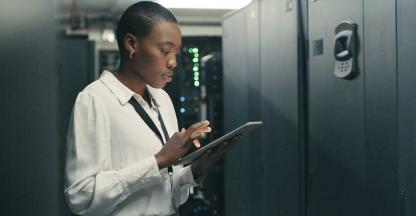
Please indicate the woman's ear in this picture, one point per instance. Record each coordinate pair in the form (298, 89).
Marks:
(131, 44)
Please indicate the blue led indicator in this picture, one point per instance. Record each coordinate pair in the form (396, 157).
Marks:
(182, 98)
(182, 110)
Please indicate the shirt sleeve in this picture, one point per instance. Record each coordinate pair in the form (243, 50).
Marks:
(91, 187)
(185, 181)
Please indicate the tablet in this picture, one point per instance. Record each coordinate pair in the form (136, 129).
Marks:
(243, 129)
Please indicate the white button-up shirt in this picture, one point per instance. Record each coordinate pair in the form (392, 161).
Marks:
(110, 167)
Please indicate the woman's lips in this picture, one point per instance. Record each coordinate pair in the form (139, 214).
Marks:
(167, 78)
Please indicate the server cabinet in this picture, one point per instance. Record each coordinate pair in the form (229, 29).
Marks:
(336, 129)
(380, 81)
(353, 164)
(29, 113)
(406, 35)
(102, 56)
(360, 128)
(266, 61)
(281, 147)
(236, 112)
(254, 108)
(241, 104)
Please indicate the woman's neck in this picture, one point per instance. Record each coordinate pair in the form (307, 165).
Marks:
(132, 81)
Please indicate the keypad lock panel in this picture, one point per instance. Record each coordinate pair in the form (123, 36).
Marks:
(345, 50)
(343, 68)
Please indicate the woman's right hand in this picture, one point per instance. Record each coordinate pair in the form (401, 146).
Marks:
(180, 143)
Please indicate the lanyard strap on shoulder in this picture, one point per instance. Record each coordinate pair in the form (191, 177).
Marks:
(165, 132)
(146, 118)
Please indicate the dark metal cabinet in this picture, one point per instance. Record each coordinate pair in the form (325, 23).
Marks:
(237, 197)
(261, 75)
(380, 81)
(353, 153)
(281, 148)
(336, 138)
(406, 38)
(241, 104)
(254, 105)
(353, 138)
(30, 131)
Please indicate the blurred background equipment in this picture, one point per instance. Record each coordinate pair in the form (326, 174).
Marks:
(329, 145)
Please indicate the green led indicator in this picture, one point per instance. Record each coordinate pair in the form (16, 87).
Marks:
(196, 74)
(196, 55)
(190, 50)
(196, 78)
(196, 83)
(196, 65)
(195, 59)
(195, 69)
(195, 50)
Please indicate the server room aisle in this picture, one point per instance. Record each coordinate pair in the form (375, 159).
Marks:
(332, 81)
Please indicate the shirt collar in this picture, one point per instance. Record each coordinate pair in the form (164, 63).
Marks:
(121, 91)
(152, 98)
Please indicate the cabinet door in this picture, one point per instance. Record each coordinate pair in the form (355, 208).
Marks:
(381, 107)
(406, 35)
(254, 108)
(281, 148)
(237, 173)
(336, 138)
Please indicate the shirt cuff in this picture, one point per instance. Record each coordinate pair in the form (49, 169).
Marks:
(187, 177)
(141, 174)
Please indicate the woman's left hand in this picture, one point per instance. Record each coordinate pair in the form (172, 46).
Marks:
(201, 165)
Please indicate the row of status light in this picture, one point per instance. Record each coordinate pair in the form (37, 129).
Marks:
(182, 99)
(195, 59)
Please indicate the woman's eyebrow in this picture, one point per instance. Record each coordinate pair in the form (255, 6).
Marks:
(162, 43)
(169, 43)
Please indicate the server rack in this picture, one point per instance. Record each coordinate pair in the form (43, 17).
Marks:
(356, 131)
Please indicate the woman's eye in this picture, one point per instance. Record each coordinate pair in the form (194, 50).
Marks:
(165, 51)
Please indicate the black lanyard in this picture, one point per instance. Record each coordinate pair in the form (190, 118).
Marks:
(146, 118)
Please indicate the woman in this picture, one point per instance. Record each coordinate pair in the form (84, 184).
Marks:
(116, 163)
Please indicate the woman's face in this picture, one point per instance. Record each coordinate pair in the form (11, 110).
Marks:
(155, 56)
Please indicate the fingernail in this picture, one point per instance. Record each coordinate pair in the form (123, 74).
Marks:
(197, 144)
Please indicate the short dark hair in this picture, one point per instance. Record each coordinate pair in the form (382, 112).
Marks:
(139, 18)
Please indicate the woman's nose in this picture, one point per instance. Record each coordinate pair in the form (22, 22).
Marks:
(172, 63)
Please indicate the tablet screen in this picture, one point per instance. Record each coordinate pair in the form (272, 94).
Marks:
(243, 129)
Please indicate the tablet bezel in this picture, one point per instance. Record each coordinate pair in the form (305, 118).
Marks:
(243, 129)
